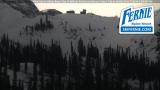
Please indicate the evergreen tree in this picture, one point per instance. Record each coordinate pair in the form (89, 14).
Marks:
(81, 48)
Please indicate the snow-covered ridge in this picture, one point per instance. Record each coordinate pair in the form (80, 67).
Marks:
(26, 7)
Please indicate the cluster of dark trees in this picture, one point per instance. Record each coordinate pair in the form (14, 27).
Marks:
(43, 25)
(84, 69)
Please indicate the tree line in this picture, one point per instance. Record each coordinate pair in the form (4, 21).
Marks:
(84, 69)
(44, 24)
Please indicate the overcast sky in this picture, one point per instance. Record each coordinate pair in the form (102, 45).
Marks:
(103, 9)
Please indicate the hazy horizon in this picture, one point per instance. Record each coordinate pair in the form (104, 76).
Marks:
(102, 9)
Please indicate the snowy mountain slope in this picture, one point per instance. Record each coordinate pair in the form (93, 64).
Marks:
(101, 31)
(11, 20)
(26, 7)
